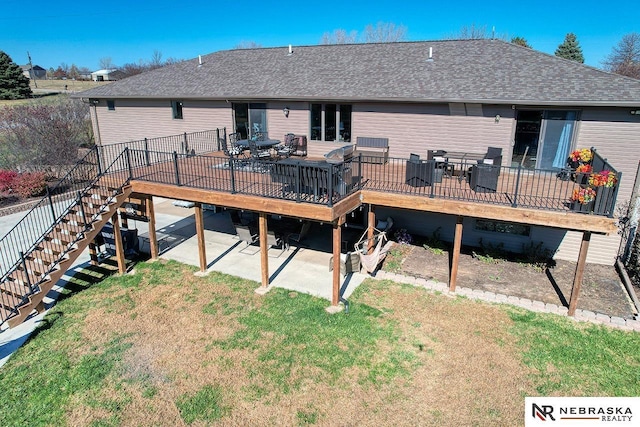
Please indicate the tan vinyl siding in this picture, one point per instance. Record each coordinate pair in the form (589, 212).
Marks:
(297, 122)
(138, 119)
(615, 133)
(416, 128)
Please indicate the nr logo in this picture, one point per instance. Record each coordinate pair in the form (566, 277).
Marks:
(543, 412)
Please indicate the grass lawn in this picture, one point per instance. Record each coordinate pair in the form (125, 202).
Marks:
(163, 347)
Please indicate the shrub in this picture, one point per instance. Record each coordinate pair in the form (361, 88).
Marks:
(30, 184)
(6, 180)
(403, 237)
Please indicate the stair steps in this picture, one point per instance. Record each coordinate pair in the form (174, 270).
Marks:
(57, 251)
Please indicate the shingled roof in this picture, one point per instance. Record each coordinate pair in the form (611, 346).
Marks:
(473, 71)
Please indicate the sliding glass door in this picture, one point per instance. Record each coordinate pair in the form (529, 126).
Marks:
(249, 118)
(543, 138)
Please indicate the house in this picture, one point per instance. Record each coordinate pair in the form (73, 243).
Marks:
(107, 75)
(502, 118)
(37, 72)
(462, 95)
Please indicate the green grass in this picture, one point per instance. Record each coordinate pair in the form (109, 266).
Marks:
(205, 405)
(322, 346)
(574, 358)
(292, 340)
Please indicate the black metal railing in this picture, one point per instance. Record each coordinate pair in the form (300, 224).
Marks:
(316, 182)
(509, 186)
(186, 143)
(46, 219)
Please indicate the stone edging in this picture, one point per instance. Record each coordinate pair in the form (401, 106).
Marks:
(492, 297)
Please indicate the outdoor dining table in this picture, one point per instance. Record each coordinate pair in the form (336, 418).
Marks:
(265, 143)
(461, 159)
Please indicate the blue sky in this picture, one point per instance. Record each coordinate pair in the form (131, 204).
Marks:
(130, 31)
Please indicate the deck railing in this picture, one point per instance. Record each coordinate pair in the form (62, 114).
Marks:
(296, 180)
(510, 186)
(309, 181)
(186, 143)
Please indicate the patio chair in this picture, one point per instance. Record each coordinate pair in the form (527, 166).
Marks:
(299, 237)
(247, 236)
(258, 153)
(419, 173)
(230, 150)
(276, 242)
(238, 150)
(288, 147)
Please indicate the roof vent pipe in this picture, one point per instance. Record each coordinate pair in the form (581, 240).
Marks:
(290, 50)
(199, 60)
(430, 58)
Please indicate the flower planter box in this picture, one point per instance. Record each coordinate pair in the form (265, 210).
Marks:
(604, 200)
(582, 208)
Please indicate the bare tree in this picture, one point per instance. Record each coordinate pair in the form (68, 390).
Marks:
(44, 135)
(384, 32)
(106, 63)
(624, 58)
(248, 45)
(156, 59)
(339, 36)
(476, 32)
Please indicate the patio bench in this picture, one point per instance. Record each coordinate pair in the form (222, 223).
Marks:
(373, 150)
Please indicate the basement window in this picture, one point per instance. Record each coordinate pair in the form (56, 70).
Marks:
(176, 107)
(503, 227)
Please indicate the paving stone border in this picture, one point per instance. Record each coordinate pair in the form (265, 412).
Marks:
(538, 306)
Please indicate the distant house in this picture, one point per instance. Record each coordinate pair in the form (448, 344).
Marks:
(107, 75)
(38, 72)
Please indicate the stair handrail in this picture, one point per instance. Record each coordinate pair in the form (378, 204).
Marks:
(35, 287)
(11, 266)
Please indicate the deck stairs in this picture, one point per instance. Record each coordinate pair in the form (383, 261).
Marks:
(33, 271)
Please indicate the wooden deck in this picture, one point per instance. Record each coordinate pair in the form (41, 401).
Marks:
(531, 197)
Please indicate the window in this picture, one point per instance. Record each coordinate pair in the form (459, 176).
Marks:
(111, 104)
(331, 122)
(503, 227)
(176, 107)
(250, 118)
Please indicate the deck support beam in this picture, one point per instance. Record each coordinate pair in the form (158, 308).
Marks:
(337, 245)
(93, 253)
(153, 238)
(202, 251)
(264, 249)
(577, 280)
(117, 239)
(371, 222)
(455, 259)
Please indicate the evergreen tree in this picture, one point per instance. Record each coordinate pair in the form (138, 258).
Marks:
(570, 49)
(13, 84)
(521, 41)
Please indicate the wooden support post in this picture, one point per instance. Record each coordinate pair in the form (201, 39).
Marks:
(455, 259)
(117, 238)
(202, 252)
(153, 238)
(124, 221)
(337, 244)
(264, 249)
(93, 253)
(577, 280)
(371, 223)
